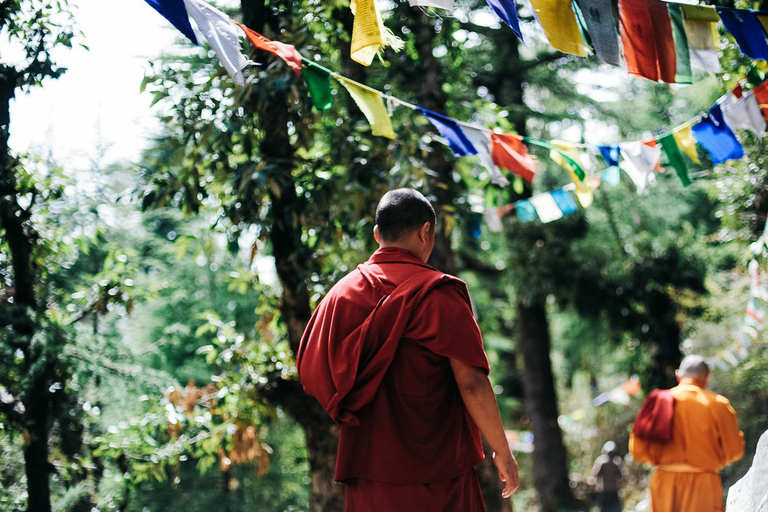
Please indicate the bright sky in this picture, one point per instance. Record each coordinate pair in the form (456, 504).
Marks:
(98, 97)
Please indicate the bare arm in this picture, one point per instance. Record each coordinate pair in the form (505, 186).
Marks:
(480, 401)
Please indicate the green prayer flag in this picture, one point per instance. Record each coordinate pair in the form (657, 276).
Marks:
(753, 76)
(319, 86)
(683, 73)
(675, 158)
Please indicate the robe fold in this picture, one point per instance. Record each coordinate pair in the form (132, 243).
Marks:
(705, 438)
(376, 356)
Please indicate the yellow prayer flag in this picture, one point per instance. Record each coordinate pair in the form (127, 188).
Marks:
(685, 140)
(583, 189)
(560, 26)
(372, 106)
(763, 19)
(368, 32)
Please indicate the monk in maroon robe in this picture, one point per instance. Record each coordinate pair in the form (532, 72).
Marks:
(394, 354)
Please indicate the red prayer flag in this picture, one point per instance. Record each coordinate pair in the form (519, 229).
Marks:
(509, 152)
(649, 45)
(287, 52)
(654, 421)
(761, 94)
(738, 91)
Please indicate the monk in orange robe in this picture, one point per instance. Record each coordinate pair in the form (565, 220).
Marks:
(395, 357)
(705, 438)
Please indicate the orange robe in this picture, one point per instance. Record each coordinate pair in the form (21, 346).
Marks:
(705, 438)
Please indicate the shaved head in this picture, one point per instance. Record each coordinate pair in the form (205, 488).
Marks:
(693, 367)
(401, 211)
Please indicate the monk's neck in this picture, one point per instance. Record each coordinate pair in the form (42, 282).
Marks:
(692, 382)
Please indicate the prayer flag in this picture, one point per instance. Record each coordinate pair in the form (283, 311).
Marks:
(683, 73)
(525, 211)
(372, 106)
(744, 113)
(451, 132)
(746, 30)
(546, 207)
(564, 201)
(448, 5)
(713, 133)
(761, 95)
(675, 158)
(757, 289)
(610, 154)
(567, 156)
(368, 32)
(700, 23)
(599, 15)
(754, 315)
(686, 142)
(646, 33)
(221, 33)
(287, 52)
(175, 12)
(640, 161)
(611, 176)
(493, 220)
(762, 17)
(507, 11)
(509, 152)
(560, 26)
(318, 83)
(481, 141)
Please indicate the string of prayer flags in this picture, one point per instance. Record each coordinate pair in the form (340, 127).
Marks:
(640, 162)
(610, 154)
(175, 12)
(675, 158)
(546, 208)
(683, 73)
(560, 26)
(744, 112)
(369, 35)
(685, 141)
(287, 52)
(448, 5)
(621, 394)
(567, 156)
(602, 28)
(717, 138)
(371, 104)
(221, 34)
(646, 34)
(525, 211)
(451, 132)
(746, 30)
(481, 141)
(700, 23)
(509, 152)
(318, 82)
(507, 11)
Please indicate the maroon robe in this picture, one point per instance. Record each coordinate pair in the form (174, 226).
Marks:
(376, 355)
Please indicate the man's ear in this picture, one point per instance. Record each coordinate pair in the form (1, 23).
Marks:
(376, 235)
(425, 231)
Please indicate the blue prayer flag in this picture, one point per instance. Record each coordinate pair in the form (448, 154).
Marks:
(564, 201)
(747, 30)
(717, 138)
(452, 132)
(525, 211)
(610, 154)
(175, 12)
(507, 11)
(611, 176)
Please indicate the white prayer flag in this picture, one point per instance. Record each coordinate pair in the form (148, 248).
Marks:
(640, 161)
(222, 34)
(481, 140)
(546, 207)
(448, 5)
(744, 113)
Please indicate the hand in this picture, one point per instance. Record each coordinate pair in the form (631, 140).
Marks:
(508, 472)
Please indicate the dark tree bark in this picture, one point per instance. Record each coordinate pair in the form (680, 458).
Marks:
(550, 466)
(21, 239)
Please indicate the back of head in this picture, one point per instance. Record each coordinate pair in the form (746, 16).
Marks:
(693, 367)
(402, 210)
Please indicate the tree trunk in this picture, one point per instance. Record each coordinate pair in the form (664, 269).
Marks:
(20, 241)
(550, 465)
